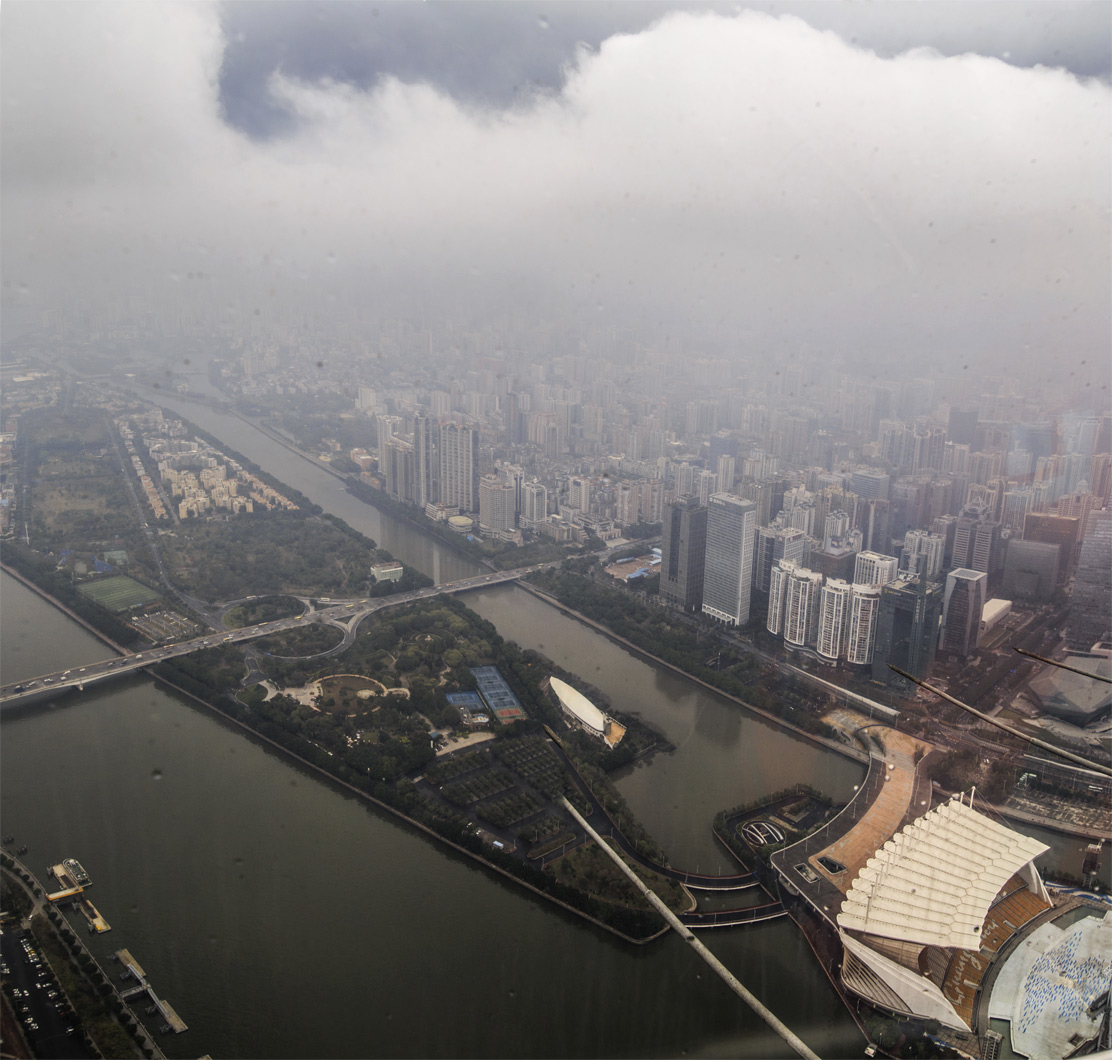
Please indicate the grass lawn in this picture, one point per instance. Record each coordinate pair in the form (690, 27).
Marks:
(119, 593)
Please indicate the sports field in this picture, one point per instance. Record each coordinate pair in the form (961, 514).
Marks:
(119, 593)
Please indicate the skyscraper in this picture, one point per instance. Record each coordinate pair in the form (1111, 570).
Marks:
(728, 574)
(801, 609)
(459, 467)
(907, 629)
(775, 543)
(683, 554)
(1091, 607)
(833, 618)
(864, 610)
(966, 593)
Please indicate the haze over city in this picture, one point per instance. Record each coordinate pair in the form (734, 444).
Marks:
(863, 182)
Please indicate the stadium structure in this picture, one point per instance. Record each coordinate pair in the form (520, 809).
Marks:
(940, 916)
(582, 713)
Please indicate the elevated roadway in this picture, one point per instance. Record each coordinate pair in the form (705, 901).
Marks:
(345, 615)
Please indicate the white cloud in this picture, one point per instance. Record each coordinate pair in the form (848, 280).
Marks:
(748, 169)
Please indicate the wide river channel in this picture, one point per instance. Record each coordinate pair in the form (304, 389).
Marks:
(284, 917)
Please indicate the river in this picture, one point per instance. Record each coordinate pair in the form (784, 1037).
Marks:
(283, 917)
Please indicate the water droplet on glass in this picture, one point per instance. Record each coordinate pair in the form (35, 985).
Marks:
(156, 774)
(542, 22)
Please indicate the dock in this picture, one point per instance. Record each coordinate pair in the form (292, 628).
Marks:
(171, 1020)
(131, 964)
(61, 896)
(97, 923)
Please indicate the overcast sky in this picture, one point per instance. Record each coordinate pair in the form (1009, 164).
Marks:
(907, 177)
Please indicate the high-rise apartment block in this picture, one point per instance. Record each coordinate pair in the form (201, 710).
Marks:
(923, 551)
(873, 568)
(728, 574)
(459, 467)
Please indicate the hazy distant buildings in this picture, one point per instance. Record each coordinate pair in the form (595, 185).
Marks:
(683, 554)
(966, 595)
(728, 573)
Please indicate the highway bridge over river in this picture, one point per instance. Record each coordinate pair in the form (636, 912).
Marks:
(345, 615)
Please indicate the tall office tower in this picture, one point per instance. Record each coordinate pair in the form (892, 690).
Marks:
(534, 503)
(774, 544)
(459, 467)
(1030, 570)
(1091, 606)
(922, 552)
(870, 483)
(497, 512)
(834, 611)
(907, 629)
(801, 610)
(367, 399)
(424, 452)
(873, 568)
(966, 594)
(864, 610)
(706, 483)
(962, 427)
(683, 554)
(1055, 530)
(728, 575)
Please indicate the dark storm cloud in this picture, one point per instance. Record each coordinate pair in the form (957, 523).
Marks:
(492, 54)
